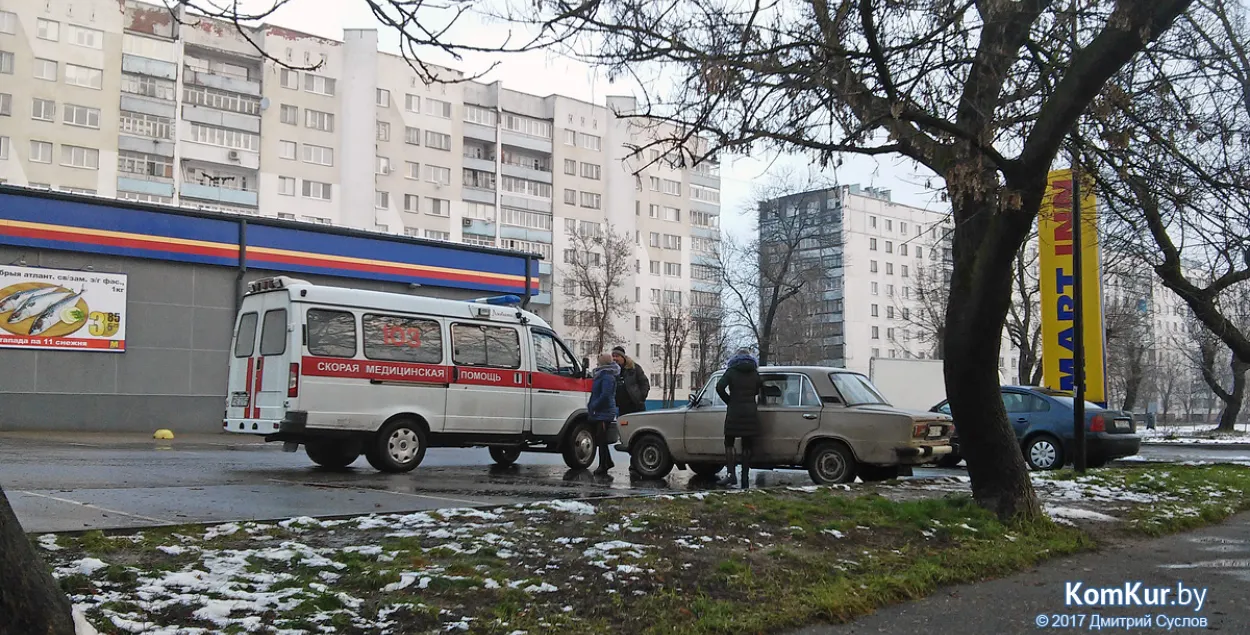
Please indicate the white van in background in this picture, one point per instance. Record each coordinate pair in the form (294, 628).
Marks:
(346, 372)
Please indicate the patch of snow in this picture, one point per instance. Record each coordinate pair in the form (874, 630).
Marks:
(48, 541)
(227, 529)
(173, 550)
(1076, 513)
(541, 588)
(833, 532)
(572, 507)
(490, 583)
(86, 566)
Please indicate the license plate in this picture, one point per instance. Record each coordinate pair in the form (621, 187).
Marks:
(935, 431)
(239, 400)
(1122, 425)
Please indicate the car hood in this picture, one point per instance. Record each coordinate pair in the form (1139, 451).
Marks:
(653, 413)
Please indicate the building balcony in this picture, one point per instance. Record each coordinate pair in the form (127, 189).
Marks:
(148, 66)
(705, 232)
(219, 194)
(146, 185)
(516, 140)
(525, 173)
(483, 165)
(704, 259)
(148, 106)
(479, 132)
(524, 233)
(222, 82)
(478, 227)
(543, 298)
(220, 118)
(544, 268)
(476, 195)
(145, 145)
(710, 286)
(526, 203)
(704, 206)
(704, 180)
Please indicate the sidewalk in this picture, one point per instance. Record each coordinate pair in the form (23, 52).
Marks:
(90, 438)
(1216, 559)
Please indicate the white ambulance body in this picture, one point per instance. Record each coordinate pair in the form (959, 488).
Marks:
(346, 372)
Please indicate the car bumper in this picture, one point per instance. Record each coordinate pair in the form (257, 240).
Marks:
(1113, 446)
(922, 453)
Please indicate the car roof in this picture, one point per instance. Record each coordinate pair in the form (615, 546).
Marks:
(817, 370)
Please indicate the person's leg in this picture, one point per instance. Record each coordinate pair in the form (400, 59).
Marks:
(731, 463)
(748, 447)
(605, 456)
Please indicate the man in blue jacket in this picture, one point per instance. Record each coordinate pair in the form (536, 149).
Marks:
(602, 407)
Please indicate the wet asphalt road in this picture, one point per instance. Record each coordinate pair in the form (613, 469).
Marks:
(79, 482)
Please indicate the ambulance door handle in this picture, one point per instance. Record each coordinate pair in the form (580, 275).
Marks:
(548, 392)
(455, 374)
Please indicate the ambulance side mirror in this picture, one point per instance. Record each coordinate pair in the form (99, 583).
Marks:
(585, 367)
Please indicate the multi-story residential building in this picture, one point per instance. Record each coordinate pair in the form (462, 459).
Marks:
(882, 270)
(121, 100)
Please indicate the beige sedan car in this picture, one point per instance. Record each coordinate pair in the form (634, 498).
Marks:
(831, 421)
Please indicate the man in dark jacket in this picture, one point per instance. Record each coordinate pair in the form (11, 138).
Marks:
(632, 386)
(602, 407)
(739, 387)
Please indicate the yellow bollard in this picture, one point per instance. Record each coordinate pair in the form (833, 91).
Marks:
(163, 434)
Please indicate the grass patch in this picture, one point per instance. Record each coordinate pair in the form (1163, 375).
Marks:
(756, 561)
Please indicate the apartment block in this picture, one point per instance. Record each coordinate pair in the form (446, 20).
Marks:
(882, 271)
(119, 99)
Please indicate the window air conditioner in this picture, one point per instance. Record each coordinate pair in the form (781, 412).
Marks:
(466, 222)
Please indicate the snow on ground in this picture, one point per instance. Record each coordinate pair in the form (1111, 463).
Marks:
(1057, 513)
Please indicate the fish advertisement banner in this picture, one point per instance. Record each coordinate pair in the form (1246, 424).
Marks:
(62, 309)
(1055, 244)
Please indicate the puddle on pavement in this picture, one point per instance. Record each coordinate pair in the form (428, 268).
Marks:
(1218, 540)
(1227, 548)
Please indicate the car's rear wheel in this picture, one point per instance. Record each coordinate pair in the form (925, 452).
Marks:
(399, 446)
(333, 453)
(1044, 452)
(505, 456)
(579, 447)
(649, 457)
(870, 473)
(706, 470)
(831, 462)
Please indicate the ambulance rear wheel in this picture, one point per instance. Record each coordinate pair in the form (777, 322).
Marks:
(399, 446)
(333, 453)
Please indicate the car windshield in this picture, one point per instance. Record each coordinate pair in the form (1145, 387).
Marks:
(856, 389)
(1070, 402)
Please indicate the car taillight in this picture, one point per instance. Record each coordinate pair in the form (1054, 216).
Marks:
(1098, 424)
(919, 430)
(292, 385)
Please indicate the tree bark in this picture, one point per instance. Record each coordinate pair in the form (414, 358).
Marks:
(984, 247)
(1232, 405)
(1136, 375)
(31, 601)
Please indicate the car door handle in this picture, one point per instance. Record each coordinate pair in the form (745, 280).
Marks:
(810, 416)
(1022, 420)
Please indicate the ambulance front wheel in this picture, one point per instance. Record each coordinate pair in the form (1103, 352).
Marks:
(399, 446)
(579, 447)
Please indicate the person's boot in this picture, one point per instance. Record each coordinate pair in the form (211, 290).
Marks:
(746, 468)
(605, 459)
(731, 468)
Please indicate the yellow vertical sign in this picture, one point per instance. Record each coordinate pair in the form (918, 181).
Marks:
(1055, 247)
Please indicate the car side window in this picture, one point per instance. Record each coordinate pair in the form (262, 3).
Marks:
(709, 392)
(789, 391)
(1037, 404)
(1016, 403)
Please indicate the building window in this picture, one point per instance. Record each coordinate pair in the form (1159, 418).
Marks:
(570, 166)
(875, 311)
(148, 86)
(40, 152)
(8, 22)
(889, 268)
(384, 98)
(437, 140)
(672, 269)
(319, 155)
(412, 135)
(433, 234)
(591, 200)
(410, 203)
(436, 174)
(481, 116)
(287, 150)
(222, 100)
(290, 114)
(381, 200)
(707, 195)
(6, 62)
(570, 197)
(317, 190)
(82, 36)
(438, 108)
(527, 126)
(286, 186)
(672, 241)
(412, 103)
(412, 170)
(525, 187)
(570, 137)
(872, 244)
(672, 187)
(889, 246)
(145, 125)
(874, 288)
(43, 109)
(81, 116)
(224, 137)
(383, 165)
(4, 148)
(591, 142)
(289, 79)
(902, 249)
(478, 179)
(6, 105)
(83, 76)
(318, 84)
(437, 207)
(45, 69)
(382, 130)
(591, 171)
(145, 166)
(318, 120)
(876, 333)
(672, 214)
(889, 312)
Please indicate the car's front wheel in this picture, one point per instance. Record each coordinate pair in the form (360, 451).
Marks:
(831, 462)
(649, 457)
(504, 456)
(1044, 452)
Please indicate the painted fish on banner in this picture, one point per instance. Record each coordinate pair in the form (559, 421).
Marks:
(1055, 246)
(62, 309)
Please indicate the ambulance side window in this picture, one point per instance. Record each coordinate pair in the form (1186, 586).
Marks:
(273, 333)
(331, 333)
(402, 339)
(481, 345)
(551, 357)
(245, 343)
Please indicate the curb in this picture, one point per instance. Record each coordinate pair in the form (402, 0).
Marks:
(1210, 446)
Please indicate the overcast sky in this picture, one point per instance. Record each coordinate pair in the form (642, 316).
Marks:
(546, 73)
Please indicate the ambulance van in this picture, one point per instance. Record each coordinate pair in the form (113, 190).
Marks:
(346, 372)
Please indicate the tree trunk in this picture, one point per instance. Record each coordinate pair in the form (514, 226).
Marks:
(1232, 405)
(984, 248)
(1136, 374)
(31, 601)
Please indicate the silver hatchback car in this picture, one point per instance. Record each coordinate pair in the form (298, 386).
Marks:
(831, 421)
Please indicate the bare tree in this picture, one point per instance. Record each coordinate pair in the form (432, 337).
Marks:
(1024, 320)
(926, 316)
(597, 267)
(711, 338)
(1128, 350)
(676, 322)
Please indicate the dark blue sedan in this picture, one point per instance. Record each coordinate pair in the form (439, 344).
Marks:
(1042, 419)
